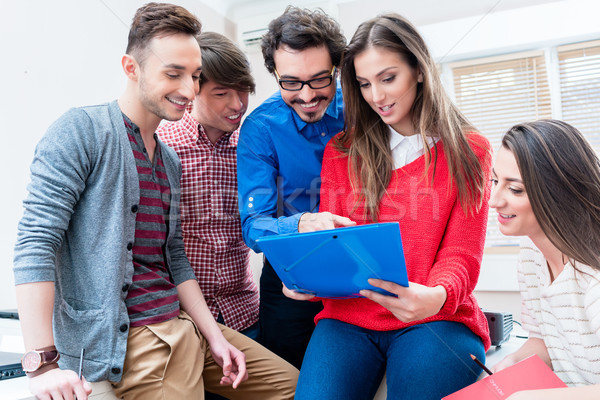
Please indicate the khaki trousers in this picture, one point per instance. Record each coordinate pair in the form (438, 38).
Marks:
(102, 391)
(172, 360)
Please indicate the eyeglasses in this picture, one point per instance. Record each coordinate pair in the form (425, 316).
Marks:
(295, 85)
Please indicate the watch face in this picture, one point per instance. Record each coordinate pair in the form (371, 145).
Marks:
(31, 361)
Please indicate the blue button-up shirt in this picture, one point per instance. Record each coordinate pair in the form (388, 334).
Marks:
(279, 160)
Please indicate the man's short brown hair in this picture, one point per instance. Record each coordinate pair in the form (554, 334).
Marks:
(224, 63)
(156, 20)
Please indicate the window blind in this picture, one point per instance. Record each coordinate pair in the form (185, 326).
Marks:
(579, 72)
(497, 93)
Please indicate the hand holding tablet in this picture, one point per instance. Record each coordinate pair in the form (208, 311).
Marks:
(337, 263)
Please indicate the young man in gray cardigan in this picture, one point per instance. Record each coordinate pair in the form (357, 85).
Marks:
(99, 260)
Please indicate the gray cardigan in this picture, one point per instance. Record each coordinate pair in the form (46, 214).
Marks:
(77, 229)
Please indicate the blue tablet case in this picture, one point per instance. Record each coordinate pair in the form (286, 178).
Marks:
(337, 263)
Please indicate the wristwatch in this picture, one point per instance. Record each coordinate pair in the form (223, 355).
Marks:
(35, 360)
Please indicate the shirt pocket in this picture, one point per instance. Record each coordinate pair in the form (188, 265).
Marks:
(80, 324)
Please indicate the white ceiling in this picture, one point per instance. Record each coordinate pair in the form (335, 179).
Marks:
(420, 12)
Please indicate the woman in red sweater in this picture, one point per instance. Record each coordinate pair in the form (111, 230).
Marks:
(408, 155)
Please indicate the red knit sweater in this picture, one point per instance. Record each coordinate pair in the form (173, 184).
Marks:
(442, 244)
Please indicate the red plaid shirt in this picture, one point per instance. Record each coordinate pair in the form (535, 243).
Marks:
(210, 221)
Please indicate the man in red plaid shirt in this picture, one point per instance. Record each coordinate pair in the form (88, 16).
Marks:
(206, 141)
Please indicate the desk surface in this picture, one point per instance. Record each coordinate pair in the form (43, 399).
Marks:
(496, 353)
(18, 388)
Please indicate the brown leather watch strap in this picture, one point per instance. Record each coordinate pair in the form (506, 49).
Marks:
(47, 348)
(42, 369)
(49, 354)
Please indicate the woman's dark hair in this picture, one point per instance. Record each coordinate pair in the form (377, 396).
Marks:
(561, 175)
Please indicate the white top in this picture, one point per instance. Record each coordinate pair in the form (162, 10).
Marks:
(564, 313)
(406, 149)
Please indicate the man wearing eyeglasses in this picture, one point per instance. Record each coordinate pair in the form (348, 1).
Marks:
(279, 160)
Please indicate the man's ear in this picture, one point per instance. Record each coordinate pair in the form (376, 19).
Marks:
(130, 67)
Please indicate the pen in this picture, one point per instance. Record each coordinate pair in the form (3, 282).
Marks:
(486, 369)
(81, 363)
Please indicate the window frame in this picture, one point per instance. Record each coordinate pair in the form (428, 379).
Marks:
(552, 66)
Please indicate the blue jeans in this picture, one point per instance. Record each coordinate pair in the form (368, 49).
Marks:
(426, 361)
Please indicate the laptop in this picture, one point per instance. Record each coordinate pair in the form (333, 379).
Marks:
(337, 263)
(10, 365)
(10, 314)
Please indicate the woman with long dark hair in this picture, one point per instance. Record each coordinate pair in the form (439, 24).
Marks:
(546, 181)
(406, 155)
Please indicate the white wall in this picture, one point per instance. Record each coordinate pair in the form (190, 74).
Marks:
(456, 30)
(56, 55)
(514, 30)
(65, 53)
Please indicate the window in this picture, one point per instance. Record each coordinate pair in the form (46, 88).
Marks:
(560, 82)
(579, 72)
(495, 93)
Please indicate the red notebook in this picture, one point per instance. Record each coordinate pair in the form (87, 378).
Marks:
(529, 374)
